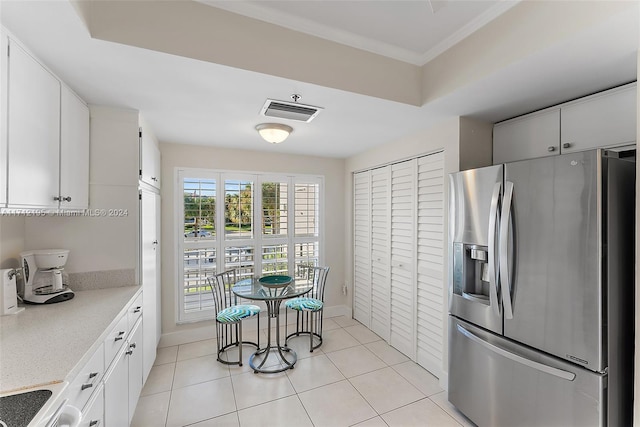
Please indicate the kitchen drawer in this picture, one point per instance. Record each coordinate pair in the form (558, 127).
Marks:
(93, 413)
(116, 339)
(134, 312)
(87, 380)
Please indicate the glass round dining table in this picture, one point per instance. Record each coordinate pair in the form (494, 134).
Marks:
(272, 295)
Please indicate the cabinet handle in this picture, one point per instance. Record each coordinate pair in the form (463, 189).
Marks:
(66, 199)
(137, 309)
(155, 242)
(94, 423)
(62, 199)
(551, 149)
(93, 374)
(130, 352)
(86, 386)
(566, 145)
(154, 179)
(133, 345)
(118, 338)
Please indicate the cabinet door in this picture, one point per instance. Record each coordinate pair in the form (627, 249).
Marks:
(403, 244)
(601, 120)
(362, 248)
(33, 132)
(135, 354)
(149, 158)
(150, 208)
(116, 392)
(74, 151)
(528, 137)
(380, 251)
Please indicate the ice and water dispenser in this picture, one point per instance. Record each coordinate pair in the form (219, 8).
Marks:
(471, 272)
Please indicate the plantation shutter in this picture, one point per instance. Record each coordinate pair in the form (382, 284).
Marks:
(362, 248)
(403, 244)
(430, 262)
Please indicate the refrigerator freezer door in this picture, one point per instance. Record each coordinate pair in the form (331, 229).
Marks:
(474, 219)
(554, 256)
(496, 382)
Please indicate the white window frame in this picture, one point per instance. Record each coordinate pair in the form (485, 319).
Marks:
(257, 240)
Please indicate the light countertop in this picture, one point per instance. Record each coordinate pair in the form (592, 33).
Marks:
(47, 344)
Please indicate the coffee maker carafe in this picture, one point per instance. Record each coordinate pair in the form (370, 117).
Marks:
(44, 279)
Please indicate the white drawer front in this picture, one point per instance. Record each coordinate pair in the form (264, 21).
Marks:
(116, 339)
(87, 380)
(135, 311)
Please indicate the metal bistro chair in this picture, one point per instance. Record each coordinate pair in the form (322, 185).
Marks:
(309, 309)
(229, 315)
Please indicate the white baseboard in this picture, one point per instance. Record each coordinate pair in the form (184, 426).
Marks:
(444, 381)
(208, 331)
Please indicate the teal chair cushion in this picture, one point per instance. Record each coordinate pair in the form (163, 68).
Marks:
(304, 304)
(237, 313)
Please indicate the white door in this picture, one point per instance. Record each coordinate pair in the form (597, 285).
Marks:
(362, 248)
(150, 290)
(430, 263)
(403, 244)
(74, 151)
(380, 251)
(33, 132)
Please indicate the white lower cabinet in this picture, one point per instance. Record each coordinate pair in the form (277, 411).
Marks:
(123, 381)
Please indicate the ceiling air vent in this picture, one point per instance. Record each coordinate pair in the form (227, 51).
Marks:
(290, 110)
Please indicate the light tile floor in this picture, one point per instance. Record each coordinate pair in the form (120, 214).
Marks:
(353, 379)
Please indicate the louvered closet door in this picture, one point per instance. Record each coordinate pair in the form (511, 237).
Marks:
(380, 251)
(430, 262)
(403, 244)
(362, 248)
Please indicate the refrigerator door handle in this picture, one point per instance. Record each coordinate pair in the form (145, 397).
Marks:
(565, 375)
(494, 274)
(505, 218)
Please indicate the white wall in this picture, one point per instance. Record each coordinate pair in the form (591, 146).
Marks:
(180, 155)
(11, 241)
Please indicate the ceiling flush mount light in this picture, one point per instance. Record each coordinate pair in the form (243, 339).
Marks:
(274, 133)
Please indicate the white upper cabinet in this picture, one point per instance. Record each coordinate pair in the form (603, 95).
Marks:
(600, 120)
(605, 119)
(47, 138)
(74, 151)
(149, 157)
(33, 132)
(534, 135)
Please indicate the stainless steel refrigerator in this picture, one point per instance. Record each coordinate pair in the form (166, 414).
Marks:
(541, 291)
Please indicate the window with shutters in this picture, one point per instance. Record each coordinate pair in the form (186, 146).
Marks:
(255, 223)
